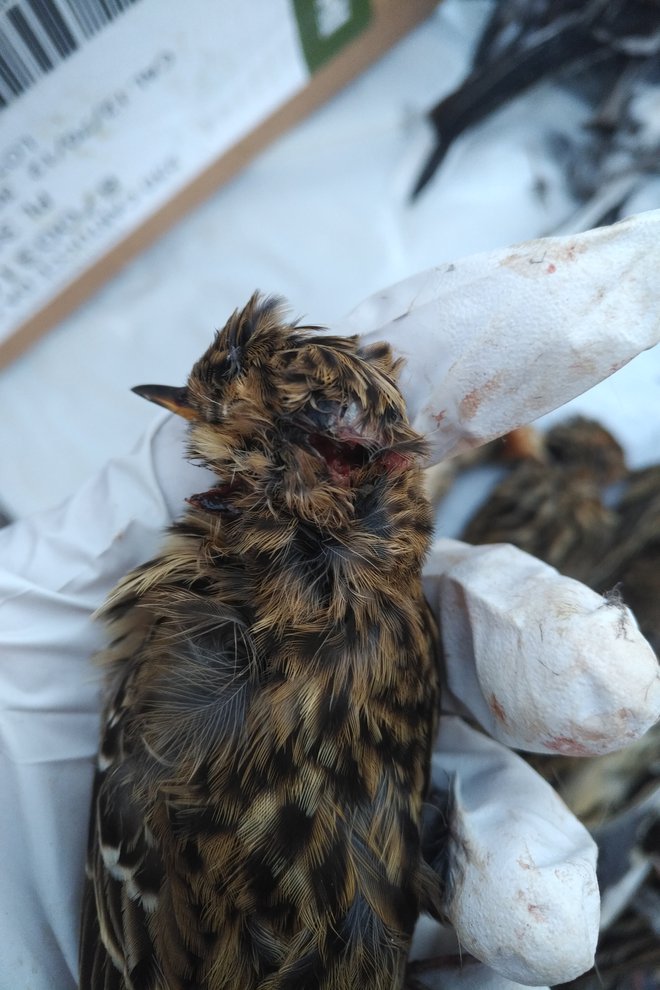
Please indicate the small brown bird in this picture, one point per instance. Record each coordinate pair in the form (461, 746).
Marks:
(272, 687)
(633, 561)
(550, 504)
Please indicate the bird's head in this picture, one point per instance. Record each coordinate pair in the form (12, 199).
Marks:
(291, 419)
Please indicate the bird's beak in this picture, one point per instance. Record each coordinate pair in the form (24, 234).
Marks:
(174, 399)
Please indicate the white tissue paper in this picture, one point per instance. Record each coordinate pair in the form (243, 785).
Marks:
(495, 340)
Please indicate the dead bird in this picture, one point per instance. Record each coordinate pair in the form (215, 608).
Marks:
(628, 952)
(551, 503)
(633, 561)
(615, 160)
(271, 687)
(528, 41)
(521, 44)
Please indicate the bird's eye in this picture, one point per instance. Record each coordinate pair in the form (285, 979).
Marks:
(557, 452)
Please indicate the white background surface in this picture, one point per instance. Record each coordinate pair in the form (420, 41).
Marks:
(323, 219)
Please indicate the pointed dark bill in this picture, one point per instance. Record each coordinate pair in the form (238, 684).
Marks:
(173, 398)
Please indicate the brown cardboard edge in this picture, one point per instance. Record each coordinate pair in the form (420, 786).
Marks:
(392, 20)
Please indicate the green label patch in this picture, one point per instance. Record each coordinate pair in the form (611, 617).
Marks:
(326, 26)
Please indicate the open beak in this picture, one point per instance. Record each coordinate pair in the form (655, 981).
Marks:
(174, 399)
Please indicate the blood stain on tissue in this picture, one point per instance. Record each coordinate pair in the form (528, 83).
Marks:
(536, 912)
(470, 403)
(496, 708)
(568, 746)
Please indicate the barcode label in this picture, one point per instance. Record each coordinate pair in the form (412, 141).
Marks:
(37, 34)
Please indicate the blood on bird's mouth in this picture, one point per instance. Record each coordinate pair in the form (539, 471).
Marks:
(341, 456)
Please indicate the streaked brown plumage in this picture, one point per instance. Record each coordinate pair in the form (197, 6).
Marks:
(550, 503)
(272, 687)
(633, 561)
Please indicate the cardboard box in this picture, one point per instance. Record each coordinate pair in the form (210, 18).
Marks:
(118, 118)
